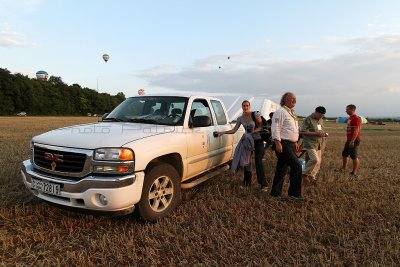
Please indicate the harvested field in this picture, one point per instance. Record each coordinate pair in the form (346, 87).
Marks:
(346, 222)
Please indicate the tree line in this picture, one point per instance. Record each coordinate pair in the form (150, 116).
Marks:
(52, 97)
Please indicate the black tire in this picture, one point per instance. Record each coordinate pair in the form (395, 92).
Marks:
(161, 192)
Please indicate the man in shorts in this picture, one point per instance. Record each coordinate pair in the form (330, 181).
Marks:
(353, 140)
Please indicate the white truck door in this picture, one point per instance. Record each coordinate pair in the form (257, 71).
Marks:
(199, 139)
(221, 147)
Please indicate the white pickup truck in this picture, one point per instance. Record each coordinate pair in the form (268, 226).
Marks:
(142, 154)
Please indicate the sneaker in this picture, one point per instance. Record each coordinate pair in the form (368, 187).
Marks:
(299, 199)
(264, 189)
(354, 175)
(279, 198)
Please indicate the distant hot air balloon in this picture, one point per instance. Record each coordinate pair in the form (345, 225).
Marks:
(140, 92)
(106, 57)
(42, 75)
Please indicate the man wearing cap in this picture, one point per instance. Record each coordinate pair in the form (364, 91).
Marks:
(313, 133)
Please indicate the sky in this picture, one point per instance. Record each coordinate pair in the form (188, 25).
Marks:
(329, 53)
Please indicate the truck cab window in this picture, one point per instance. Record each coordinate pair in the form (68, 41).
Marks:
(163, 110)
(219, 112)
(200, 107)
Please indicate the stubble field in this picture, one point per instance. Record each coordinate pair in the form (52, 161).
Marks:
(346, 222)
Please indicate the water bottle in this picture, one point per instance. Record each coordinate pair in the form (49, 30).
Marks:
(303, 164)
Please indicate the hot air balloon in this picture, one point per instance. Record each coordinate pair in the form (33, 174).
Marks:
(140, 92)
(106, 57)
(42, 75)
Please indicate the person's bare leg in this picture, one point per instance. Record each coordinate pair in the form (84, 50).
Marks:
(344, 163)
(356, 164)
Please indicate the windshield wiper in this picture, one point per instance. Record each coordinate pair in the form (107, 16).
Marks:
(112, 119)
(150, 121)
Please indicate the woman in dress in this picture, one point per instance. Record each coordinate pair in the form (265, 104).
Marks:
(252, 127)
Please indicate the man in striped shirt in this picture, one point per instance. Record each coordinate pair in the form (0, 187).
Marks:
(285, 133)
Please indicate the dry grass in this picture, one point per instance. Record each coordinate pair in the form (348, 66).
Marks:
(345, 223)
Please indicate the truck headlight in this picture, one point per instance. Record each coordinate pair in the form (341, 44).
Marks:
(114, 154)
(110, 169)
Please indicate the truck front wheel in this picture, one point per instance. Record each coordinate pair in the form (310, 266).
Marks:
(161, 192)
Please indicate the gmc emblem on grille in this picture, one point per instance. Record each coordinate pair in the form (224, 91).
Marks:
(53, 157)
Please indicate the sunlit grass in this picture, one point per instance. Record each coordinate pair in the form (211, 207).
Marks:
(347, 222)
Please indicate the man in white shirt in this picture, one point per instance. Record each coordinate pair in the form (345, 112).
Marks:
(285, 133)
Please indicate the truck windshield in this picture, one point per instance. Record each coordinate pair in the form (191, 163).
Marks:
(164, 110)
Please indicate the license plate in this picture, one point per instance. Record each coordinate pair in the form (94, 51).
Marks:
(46, 187)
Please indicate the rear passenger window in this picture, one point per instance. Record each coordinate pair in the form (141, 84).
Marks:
(219, 112)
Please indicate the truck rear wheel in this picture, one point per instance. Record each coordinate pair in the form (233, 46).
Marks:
(161, 192)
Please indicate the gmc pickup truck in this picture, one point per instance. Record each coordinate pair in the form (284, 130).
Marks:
(140, 155)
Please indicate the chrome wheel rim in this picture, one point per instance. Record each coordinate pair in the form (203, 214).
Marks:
(161, 193)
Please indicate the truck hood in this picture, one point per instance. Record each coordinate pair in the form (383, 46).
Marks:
(103, 134)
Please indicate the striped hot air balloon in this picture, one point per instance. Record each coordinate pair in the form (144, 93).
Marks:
(42, 75)
(106, 57)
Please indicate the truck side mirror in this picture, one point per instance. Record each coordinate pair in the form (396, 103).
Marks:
(104, 116)
(201, 121)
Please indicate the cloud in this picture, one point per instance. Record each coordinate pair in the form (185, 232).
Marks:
(377, 24)
(268, 41)
(363, 74)
(307, 47)
(13, 12)
(393, 89)
(14, 39)
(166, 68)
(369, 43)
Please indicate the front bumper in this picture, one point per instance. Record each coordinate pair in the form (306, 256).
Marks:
(122, 192)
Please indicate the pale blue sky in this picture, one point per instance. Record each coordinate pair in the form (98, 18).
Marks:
(329, 53)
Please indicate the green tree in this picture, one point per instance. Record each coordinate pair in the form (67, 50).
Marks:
(53, 97)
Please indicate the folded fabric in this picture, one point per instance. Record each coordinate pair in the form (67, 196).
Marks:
(242, 156)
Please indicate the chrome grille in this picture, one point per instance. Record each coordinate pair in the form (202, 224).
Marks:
(71, 162)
